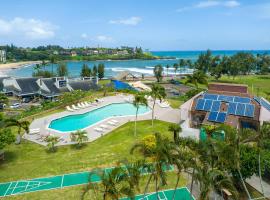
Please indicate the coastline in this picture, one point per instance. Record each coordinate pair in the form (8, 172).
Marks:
(16, 65)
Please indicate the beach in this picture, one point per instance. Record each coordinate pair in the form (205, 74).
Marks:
(4, 68)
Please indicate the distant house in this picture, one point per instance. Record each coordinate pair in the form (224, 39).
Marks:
(73, 53)
(3, 56)
(122, 52)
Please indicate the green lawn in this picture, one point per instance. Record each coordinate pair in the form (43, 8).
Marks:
(29, 160)
(175, 102)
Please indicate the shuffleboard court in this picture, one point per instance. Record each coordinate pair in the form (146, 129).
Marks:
(180, 194)
(50, 183)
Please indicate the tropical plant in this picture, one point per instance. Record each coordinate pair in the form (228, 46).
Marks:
(86, 71)
(175, 129)
(157, 93)
(6, 138)
(139, 100)
(51, 142)
(167, 68)
(196, 78)
(101, 71)
(3, 99)
(175, 66)
(182, 64)
(62, 70)
(52, 61)
(160, 155)
(21, 125)
(79, 137)
(158, 70)
(95, 71)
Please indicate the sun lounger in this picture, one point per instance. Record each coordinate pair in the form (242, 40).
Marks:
(80, 105)
(98, 129)
(74, 107)
(104, 126)
(34, 131)
(114, 121)
(69, 109)
(84, 105)
(87, 104)
(111, 123)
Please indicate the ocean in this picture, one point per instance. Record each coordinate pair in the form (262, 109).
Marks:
(135, 66)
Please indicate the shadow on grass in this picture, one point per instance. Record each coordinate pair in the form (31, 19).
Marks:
(9, 157)
(77, 147)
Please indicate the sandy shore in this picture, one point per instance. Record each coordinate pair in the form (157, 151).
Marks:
(17, 64)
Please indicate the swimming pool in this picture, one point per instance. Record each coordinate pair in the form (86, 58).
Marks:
(81, 121)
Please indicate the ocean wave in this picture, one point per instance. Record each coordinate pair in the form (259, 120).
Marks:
(149, 70)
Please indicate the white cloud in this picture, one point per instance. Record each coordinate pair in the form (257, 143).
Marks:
(210, 3)
(129, 21)
(84, 36)
(28, 28)
(104, 38)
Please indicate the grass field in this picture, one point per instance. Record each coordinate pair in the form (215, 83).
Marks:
(29, 160)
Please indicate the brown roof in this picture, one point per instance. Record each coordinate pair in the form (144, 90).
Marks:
(225, 87)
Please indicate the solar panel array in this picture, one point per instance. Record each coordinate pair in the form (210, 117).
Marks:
(240, 106)
(262, 102)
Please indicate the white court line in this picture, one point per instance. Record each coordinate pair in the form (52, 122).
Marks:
(14, 187)
(8, 189)
(62, 180)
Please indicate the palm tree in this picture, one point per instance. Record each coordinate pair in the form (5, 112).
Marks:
(157, 92)
(79, 137)
(161, 155)
(175, 66)
(51, 142)
(109, 184)
(138, 101)
(3, 99)
(196, 78)
(175, 129)
(20, 125)
(167, 67)
(182, 64)
(52, 61)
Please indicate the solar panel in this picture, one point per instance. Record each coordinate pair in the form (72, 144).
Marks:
(265, 104)
(241, 99)
(207, 105)
(200, 104)
(225, 98)
(210, 96)
(221, 117)
(215, 106)
(258, 99)
(232, 108)
(240, 109)
(249, 112)
(212, 116)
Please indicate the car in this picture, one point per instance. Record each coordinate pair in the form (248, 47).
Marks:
(15, 105)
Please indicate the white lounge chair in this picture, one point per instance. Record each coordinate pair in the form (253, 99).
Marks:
(112, 123)
(104, 126)
(69, 109)
(87, 104)
(74, 107)
(83, 104)
(98, 129)
(79, 105)
(34, 131)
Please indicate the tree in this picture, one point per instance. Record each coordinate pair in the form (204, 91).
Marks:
(51, 142)
(19, 124)
(175, 66)
(79, 137)
(182, 64)
(175, 129)
(139, 100)
(101, 71)
(52, 61)
(3, 99)
(95, 71)
(196, 78)
(167, 68)
(158, 70)
(157, 93)
(6, 138)
(160, 152)
(62, 69)
(86, 71)
(203, 63)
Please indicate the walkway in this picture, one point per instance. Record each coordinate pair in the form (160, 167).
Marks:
(165, 114)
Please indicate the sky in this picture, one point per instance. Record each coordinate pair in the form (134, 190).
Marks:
(151, 24)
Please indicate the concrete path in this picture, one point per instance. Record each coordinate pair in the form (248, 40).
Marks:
(165, 114)
(254, 181)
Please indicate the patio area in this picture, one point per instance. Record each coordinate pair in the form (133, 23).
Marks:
(167, 114)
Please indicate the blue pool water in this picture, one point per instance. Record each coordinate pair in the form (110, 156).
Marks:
(80, 121)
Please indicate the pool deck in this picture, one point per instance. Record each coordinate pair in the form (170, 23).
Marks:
(165, 114)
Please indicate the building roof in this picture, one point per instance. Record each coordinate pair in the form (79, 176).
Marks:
(27, 85)
(225, 87)
(84, 85)
(124, 75)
